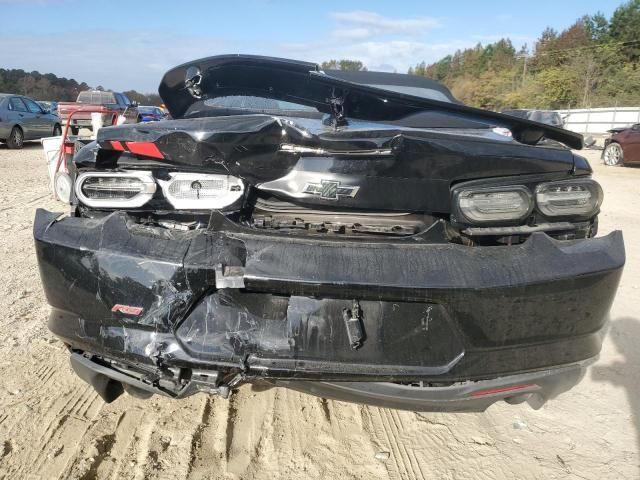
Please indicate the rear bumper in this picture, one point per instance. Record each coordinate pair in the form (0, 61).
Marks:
(253, 306)
(535, 388)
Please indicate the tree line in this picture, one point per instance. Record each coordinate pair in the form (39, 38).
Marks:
(593, 63)
(50, 87)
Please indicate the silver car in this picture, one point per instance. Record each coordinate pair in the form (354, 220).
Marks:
(23, 119)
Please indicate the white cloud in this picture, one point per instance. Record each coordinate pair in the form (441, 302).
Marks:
(352, 33)
(392, 55)
(362, 24)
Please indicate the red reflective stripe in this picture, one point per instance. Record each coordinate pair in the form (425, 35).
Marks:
(481, 393)
(148, 149)
(117, 146)
(68, 148)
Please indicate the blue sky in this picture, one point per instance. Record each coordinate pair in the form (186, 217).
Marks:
(123, 45)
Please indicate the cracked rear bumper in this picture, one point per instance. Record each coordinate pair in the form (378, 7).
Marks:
(437, 313)
(535, 388)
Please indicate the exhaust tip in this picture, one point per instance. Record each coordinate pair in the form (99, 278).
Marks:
(108, 388)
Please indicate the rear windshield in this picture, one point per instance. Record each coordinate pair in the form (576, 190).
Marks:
(245, 102)
(96, 97)
(429, 93)
(550, 118)
(516, 113)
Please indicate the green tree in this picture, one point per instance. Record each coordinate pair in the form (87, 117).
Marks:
(624, 26)
(593, 62)
(597, 26)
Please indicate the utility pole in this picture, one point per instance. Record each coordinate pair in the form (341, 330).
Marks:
(524, 57)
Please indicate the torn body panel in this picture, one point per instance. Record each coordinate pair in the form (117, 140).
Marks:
(425, 319)
(415, 168)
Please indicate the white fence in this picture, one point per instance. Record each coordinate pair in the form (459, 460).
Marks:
(599, 120)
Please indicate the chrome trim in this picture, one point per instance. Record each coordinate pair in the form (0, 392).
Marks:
(290, 148)
(137, 201)
(212, 203)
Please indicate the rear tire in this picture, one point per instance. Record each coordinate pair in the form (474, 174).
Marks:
(57, 130)
(613, 155)
(16, 139)
(75, 130)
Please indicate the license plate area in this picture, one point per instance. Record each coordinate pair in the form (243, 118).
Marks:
(232, 325)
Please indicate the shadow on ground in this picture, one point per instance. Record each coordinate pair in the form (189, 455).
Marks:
(29, 145)
(625, 334)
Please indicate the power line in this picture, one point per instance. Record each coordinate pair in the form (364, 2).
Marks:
(589, 47)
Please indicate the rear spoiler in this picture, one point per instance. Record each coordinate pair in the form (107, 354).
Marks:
(185, 88)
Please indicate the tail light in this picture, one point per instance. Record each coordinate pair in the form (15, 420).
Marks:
(201, 191)
(68, 148)
(115, 189)
(494, 204)
(569, 198)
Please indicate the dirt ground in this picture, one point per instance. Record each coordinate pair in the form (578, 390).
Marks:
(53, 426)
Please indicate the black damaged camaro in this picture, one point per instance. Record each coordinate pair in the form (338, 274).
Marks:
(355, 235)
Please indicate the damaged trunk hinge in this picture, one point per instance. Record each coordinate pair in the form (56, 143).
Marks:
(353, 322)
(338, 114)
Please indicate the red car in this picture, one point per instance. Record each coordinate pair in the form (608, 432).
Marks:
(112, 100)
(623, 147)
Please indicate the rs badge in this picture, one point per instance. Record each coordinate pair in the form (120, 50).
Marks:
(127, 309)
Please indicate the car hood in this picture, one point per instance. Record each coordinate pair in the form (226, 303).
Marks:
(185, 88)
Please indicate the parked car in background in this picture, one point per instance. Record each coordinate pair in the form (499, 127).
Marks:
(150, 114)
(22, 119)
(115, 101)
(548, 117)
(49, 106)
(623, 146)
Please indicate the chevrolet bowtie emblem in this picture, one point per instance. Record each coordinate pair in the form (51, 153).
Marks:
(330, 190)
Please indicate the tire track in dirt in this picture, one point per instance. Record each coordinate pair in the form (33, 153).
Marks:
(114, 446)
(245, 431)
(62, 406)
(208, 450)
(399, 428)
(385, 437)
(205, 424)
(61, 427)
